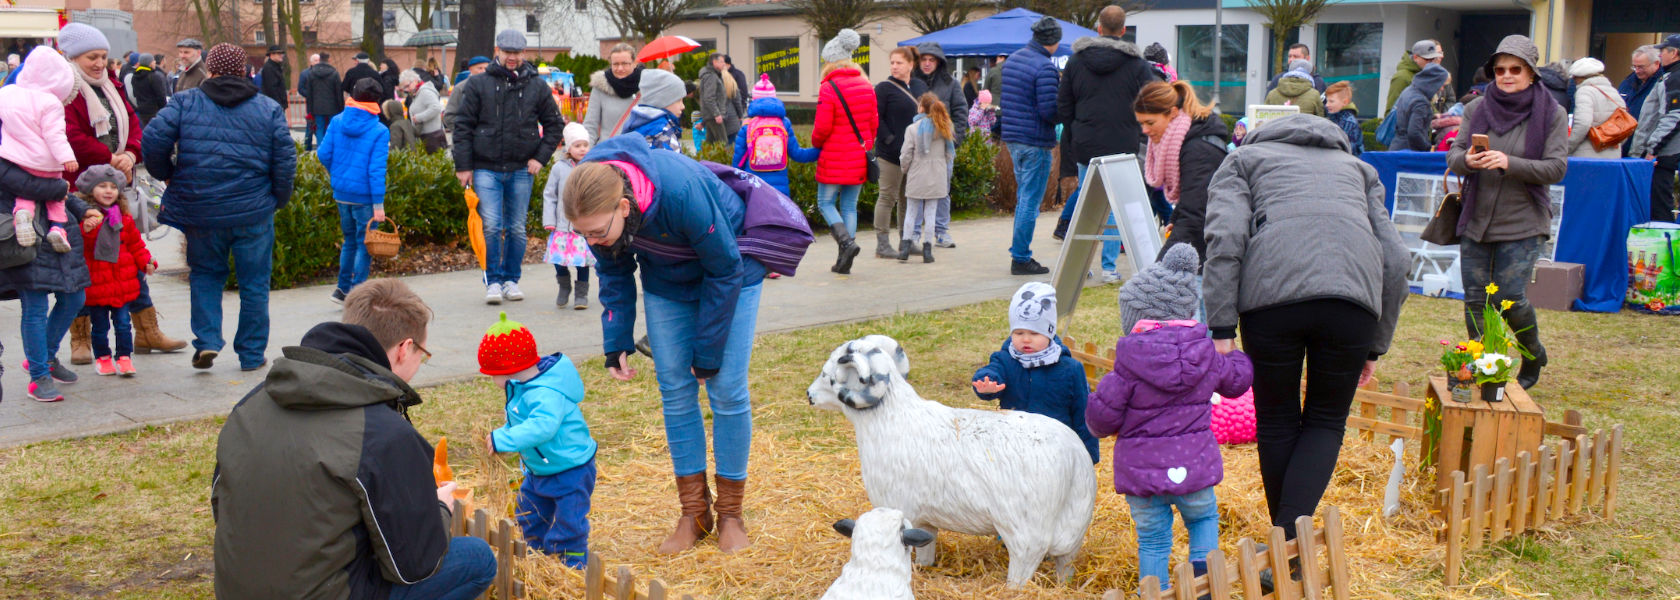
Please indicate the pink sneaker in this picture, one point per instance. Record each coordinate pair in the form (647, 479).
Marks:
(104, 366)
(58, 239)
(125, 366)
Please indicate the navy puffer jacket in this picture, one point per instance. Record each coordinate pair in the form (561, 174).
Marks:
(1029, 97)
(57, 272)
(225, 151)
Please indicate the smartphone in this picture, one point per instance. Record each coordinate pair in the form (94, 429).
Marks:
(1478, 143)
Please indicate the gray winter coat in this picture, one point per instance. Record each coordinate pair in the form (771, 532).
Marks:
(1595, 100)
(1411, 122)
(427, 110)
(1659, 118)
(714, 99)
(606, 110)
(945, 88)
(1504, 210)
(1293, 216)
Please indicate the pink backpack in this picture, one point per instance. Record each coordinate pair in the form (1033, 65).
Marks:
(766, 144)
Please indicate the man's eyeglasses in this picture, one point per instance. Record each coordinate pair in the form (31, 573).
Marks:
(426, 355)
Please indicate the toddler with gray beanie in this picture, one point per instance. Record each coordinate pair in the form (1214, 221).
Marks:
(1034, 371)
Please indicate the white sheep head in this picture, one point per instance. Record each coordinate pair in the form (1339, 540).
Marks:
(858, 374)
(882, 536)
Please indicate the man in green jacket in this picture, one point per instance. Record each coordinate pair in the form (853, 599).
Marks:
(1424, 53)
(323, 489)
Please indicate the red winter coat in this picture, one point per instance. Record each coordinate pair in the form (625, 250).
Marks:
(85, 143)
(842, 160)
(118, 283)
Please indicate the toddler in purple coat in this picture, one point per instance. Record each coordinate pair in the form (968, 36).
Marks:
(1156, 401)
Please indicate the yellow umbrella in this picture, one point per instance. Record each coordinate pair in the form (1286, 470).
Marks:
(475, 227)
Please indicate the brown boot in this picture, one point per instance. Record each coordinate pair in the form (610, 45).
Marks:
(81, 341)
(696, 520)
(732, 529)
(148, 338)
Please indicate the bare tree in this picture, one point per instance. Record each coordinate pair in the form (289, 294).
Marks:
(477, 28)
(644, 20)
(928, 16)
(828, 17)
(373, 29)
(1284, 16)
(420, 12)
(268, 21)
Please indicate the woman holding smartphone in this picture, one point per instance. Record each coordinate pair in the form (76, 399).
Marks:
(1516, 149)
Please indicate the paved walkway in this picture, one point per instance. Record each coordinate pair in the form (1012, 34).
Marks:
(169, 389)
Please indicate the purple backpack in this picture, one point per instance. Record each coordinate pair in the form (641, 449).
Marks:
(774, 229)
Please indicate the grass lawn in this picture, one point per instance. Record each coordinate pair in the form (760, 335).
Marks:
(127, 515)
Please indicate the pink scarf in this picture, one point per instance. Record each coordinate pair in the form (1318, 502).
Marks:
(1160, 168)
(640, 185)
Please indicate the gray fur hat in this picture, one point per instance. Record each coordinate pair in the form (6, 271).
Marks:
(1047, 32)
(1164, 291)
(98, 174)
(661, 88)
(842, 46)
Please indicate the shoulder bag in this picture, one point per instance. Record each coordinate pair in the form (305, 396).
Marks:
(1442, 229)
(1620, 126)
(873, 169)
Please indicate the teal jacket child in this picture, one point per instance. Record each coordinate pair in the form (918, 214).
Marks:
(544, 424)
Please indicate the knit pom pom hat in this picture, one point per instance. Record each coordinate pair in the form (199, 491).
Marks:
(842, 46)
(1164, 291)
(763, 89)
(508, 348)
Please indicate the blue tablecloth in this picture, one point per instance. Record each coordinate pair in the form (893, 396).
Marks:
(1602, 200)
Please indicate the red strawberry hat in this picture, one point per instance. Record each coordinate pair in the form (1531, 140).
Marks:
(507, 348)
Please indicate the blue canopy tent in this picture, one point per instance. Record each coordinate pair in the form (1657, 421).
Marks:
(998, 34)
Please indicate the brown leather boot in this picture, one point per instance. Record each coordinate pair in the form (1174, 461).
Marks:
(732, 529)
(696, 520)
(81, 341)
(148, 338)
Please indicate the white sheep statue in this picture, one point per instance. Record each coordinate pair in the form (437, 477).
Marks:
(1024, 477)
(880, 565)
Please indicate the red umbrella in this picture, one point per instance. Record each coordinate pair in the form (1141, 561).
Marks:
(665, 47)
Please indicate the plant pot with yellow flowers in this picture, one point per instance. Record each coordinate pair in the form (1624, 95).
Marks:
(1486, 363)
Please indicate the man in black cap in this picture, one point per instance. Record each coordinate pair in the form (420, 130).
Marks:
(1658, 136)
(274, 75)
(363, 70)
(190, 52)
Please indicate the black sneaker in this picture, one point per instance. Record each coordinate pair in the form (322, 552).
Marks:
(204, 359)
(338, 296)
(1061, 230)
(1030, 267)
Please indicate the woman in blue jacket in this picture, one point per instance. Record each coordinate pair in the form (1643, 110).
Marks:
(671, 217)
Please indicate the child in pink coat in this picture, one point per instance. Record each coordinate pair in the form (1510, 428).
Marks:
(32, 136)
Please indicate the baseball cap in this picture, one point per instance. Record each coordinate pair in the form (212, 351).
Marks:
(1427, 49)
(1672, 41)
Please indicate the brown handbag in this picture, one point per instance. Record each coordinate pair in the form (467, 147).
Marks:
(1442, 229)
(1612, 131)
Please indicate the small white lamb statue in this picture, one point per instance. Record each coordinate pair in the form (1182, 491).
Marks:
(1024, 477)
(880, 565)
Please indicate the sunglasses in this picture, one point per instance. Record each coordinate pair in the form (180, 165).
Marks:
(1512, 71)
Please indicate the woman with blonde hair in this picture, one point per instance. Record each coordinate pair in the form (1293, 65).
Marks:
(845, 131)
(661, 213)
(718, 108)
(612, 93)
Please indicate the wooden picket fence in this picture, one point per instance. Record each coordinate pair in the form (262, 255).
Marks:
(1513, 498)
(503, 537)
(1223, 577)
(598, 585)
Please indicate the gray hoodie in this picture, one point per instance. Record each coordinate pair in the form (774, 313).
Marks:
(1411, 122)
(1293, 216)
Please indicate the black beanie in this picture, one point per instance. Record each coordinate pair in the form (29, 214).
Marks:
(1046, 32)
(368, 90)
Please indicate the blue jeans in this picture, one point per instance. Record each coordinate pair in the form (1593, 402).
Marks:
(251, 248)
(43, 330)
(673, 328)
(1032, 173)
(1154, 519)
(353, 259)
(503, 199)
(941, 222)
(467, 570)
(103, 318)
(554, 513)
(846, 196)
(1110, 250)
(315, 129)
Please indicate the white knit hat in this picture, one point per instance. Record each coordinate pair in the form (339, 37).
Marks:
(842, 46)
(573, 133)
(76, 39)
(1033, 308)
(1586, 67)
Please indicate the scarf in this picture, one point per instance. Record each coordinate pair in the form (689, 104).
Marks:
(1043, 358)
(98, 116)
(626, 87)
(107, 245)
(1501, 113)
(1161, 165)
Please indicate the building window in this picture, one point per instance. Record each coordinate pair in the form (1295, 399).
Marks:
(448, 20)
(778, 57)
(1195, 64)
(707, 47)
(531, 24)
(581, 4)
(261, 39)
(861, 57)
(1131, 35)
(310, 36)
(1352, 52)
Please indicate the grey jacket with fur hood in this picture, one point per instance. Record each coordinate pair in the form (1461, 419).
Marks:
(606, 109)
(1293, 216)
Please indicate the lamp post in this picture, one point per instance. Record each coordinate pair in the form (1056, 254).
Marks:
(1218, 45)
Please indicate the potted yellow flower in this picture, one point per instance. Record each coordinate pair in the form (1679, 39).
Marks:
(1492, 366)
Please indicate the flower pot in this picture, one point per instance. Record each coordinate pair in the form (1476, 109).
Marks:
(1493, 392)
(1461, 389)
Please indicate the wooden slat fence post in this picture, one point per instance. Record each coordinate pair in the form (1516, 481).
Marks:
(1334, 552)
(594, 579)
(504, 555)
(1219, 576)
(1578, 482)
(1307, 553)
(1479, 481)
(1612, 475)
(1544, 473)
(1524, 492)
(1560, 479)
(1501, 498)
(1184, 582)
(1278, 550)
(1150, 588)
(1248, 568)
(1596, 482)
(1455, 527)
(1397, 415)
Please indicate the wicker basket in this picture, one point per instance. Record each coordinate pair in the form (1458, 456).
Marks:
(381, 244)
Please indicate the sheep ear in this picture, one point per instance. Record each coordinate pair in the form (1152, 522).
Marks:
(844, 526)
(916, 537)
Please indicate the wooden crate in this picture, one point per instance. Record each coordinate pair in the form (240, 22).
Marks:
(1481, 433)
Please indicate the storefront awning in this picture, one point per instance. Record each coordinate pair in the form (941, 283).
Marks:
(26, 23)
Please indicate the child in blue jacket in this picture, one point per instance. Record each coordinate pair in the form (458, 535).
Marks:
(766, 142)
(1035, 372)
(354, 150)
(546, 427)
